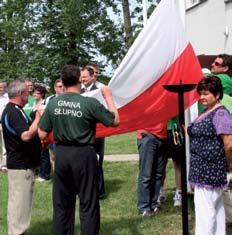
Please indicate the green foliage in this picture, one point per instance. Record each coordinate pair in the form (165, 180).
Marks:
(137, 14)
(38, 37)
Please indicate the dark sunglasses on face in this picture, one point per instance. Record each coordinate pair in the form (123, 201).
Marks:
(217, 64)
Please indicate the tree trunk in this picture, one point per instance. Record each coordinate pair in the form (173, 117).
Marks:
(127, 22)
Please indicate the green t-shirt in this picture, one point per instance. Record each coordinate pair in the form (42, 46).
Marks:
(227, 102)
(172, 122)
(226, 83)
(29, 105)
(73, 117)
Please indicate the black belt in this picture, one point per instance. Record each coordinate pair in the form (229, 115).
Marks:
(73, 143)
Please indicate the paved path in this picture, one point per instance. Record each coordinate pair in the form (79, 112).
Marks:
(121, 157)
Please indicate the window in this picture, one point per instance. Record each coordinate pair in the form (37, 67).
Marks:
(193, 3)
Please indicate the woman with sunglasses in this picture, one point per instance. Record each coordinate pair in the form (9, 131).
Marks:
(211, 151)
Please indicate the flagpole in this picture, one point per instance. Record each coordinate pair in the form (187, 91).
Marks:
(186, 161)
(144, 12)
(182, 11)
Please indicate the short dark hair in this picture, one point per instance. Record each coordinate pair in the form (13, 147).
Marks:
(212, 84)
(92, 65)
(89, 69)
(227, 60)
(57, 80)
(70, 75)
(41, 89)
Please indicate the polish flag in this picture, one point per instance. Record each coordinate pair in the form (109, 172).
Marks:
(161, 55)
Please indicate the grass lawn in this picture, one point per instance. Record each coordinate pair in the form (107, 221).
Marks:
(119, 215)
(118, 211)
(121, 144)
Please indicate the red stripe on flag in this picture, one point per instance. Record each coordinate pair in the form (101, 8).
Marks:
(156, 104)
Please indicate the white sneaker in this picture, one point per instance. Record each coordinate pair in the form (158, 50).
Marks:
(40, 180)
(177, 199)
(3, 168)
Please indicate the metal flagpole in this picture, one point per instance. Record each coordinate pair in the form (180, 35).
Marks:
(182, 11)
(144, 12)
(180, 90)
(184, 118)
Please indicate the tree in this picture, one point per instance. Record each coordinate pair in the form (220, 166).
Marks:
(132, 31)
(127, 22)
(79, 32)
(37, 39)
(14, 35)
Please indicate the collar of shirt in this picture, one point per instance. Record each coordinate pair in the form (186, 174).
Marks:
(88, 88)
(5, 95)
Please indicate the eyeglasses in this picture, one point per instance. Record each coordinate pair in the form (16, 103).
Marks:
(217, 64)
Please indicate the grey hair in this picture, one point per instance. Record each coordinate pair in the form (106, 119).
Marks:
(16, 87)
(3, 82)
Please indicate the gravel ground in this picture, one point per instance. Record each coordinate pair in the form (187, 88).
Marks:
(121, 157)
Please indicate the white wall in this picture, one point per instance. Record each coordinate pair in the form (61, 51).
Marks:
(205, 26)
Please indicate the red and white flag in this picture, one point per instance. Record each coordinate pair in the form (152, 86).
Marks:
(160, 55)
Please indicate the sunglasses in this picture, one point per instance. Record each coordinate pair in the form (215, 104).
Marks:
(217, 64)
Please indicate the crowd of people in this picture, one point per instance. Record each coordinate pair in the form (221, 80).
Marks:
(28, 117)
(211, 153)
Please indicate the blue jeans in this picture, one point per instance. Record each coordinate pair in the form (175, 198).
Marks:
(151, 170)
(45, 165)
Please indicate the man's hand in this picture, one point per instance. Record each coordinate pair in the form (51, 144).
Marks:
(32, 131)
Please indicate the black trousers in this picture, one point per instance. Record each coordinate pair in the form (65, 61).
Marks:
(76, 173)
(99, 147)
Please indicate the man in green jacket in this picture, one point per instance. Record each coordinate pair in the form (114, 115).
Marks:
(222, 68)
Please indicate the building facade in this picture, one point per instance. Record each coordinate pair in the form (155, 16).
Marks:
(209, 26)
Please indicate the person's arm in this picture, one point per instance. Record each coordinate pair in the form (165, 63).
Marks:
(227, 140)
(222, 123)
(107, 94)
(42, 134)
(32, 131)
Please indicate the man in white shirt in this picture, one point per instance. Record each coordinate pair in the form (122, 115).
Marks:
(3, 102)
(95, 75)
